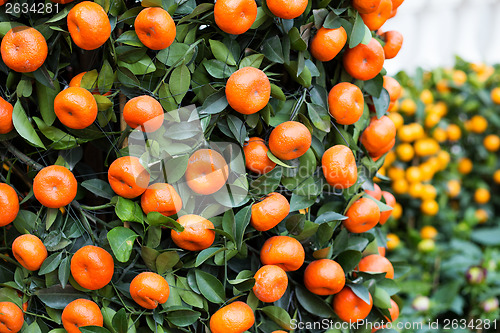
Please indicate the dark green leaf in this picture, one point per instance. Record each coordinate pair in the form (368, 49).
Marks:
(24, 127)
(272, 50)
(51, 263)
(312, 303)
(382, 103)
(241, 220)
(121, 240)
(210, 287)
(98, 187)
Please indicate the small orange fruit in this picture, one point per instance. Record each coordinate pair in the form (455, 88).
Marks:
(393, 88)
(346, 103)
(465, 166)
(6, 110)
(405, 152)
(327, 43)
(363, 215)
(24, 49)
(143, 112)
(492, 143)
(81, 312)
(236, 317)
(287, 9)
(408, 106)
(390, 200)
(349, 307)
(162, 198)
(29, 251)
(339, 167)
(400, 186)
(429, 207)
(9, 201)
(481, 215)
(256, 158)
(364, 62)
(482, 196)
(454, 132)
(394, 311)
(495, 95)
(379, 137)
(75, 107)
(376, 264)
(478, 124)
(453, 188)
(393, 241)
(127, 177)
(366, 6)
(155, 28)
(397, 211)
(397, 119)
(267, 213)
(207, 171)
(496, 177)
(428, 232)
(149, 289)
(92, 267)
(393, 41)
(248, 90)
(235, 17)
(88, 25)
(198, 233)
(55, 186)
(271, 282)
(376, 20)
(426, 97)
(290, 140)
(376, 193)
(283, 251)
(324, 277)
(11, 318)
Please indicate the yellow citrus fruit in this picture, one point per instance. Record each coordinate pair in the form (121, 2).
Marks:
(465, 166)
(396, 173)
(453, 188)
(400, 186)
(454, 132)
(427, 170)
(481, 215)
(440, 108)
(492, 143)
(426, 147)
(432, 120)
(389, 158)
(426, 96)
(428, 232)
(482, 196)
(478, 124)
(495, 95)
(413, 174)
(439, 135)
(429, 192)
(442, 86)
(444, 158)
(393, 241)
(459, 77)
(496, 176)
(429, 207)
(405, 152)
(405, 133)
(397, 119)
(415, 190)
(408, 106)
(397, 211)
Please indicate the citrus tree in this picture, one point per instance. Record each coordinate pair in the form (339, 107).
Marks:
(179, 166)
(444, 170)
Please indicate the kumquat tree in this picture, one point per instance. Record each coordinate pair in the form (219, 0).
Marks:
(196, 166)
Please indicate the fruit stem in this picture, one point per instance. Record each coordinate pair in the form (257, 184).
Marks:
(299, 104)
(22, 157)
(96, 207)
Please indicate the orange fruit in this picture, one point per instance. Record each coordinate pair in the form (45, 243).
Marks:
(271, 282)
(197, 234)
(394, 311)
(428, 232)
(393, 88)
(11, 318)
(236, 317)
(363, 215)
(482, 196)
(24, 49)
(346, 103)
(75, 107)
(6, 109)
(426, 97)
(390, 200)
(235, 17)
(492, 143)
(429, 207)
(81, 312)
(155, 28)
(397, 211)
(143, 112)
(55, 186)
(349, 307)
(400, 186)
(408, 106)
(495, 95)
(376, 193)
(426, 147)
(379, 137)
(381, 250)
(92, 267)
(88, 25)
(397, 119)
(29, 251)
(375, 263)
(454, 132)
(376, 20)
(481, 215)
(405, 152)
(429, 192)
(267, 213)
(287, 9)
(496, 177)
(162, 198)
(396, 3)
(9, 201)
(478, 124)
(324, 277)
(127, 177)
(256, 158)
(248, 90)
(413, 174)
(366, 6)
(415, 189)
(393, 41)
(364, 62)
(76, 81)
(149, 289)
(465, 166)
(396, 173)
(283, 251)
(439, 134)
(207, 171)
(289, 140)
(393, 241)
(453, 188)
(327, 43)
(339, 167)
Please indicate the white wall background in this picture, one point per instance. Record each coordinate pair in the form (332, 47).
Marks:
(434, 31)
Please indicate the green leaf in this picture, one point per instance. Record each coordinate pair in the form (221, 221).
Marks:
(210, 287)
(128, 210)
(120, 321)
(374, 86)
(358, 32)
(64, 271)
(93, 329)
(215, 103)
(254, 60)
(144, 66)
(389, 285)
(381, 103)
(183, 318)
(296, 41)
(268, 182)
(121, 240)
(98, 187)
(45, 100)
(487, 236)
(130, 38)
(313, 303)
(349, 259)
(272, 50)
(57, 297)
(276, 92)
(238, 128)
(25, 222)
(241, 220)
(329, 216)
(10, 295)
(166, 261)
(60, 139)
(51, 263)
(24, 127)
(155, 218)
(278, 161)
(179, 83)
(218, 69)
(221, 52)
(361, 291)
(33, 328)
(174, 54)
(207, 254)
(332, 21)
(298, 202)
(381, 298)
(279, 316)
(106, 78)
(319, 117)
